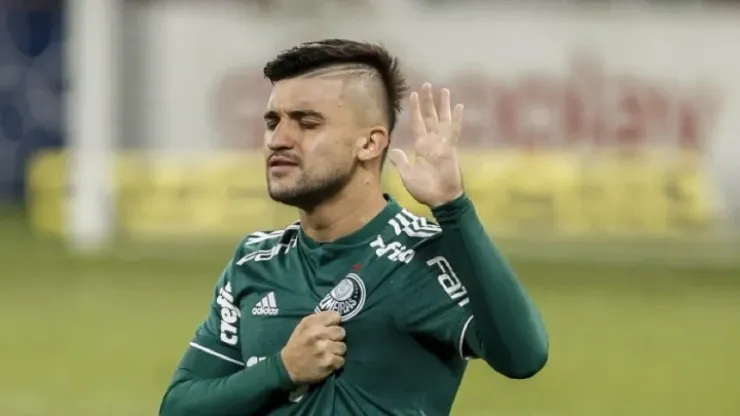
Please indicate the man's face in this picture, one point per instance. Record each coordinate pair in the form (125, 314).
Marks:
(310, 140)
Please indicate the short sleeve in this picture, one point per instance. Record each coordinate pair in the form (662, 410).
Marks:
(218, 334)
(434, 303)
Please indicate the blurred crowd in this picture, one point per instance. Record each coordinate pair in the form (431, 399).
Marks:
(268, 5)
(308, 6)
(273, 5)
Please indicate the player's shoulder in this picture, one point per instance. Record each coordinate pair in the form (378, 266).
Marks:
(411, 229)
(256, 246)
(266, 241)
(270, 238)
(415, 236)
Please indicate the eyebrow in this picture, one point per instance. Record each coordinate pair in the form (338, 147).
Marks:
(295, 114)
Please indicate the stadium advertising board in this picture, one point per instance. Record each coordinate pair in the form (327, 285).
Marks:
(575, 124)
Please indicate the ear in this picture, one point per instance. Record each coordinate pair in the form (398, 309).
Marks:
(372, 146)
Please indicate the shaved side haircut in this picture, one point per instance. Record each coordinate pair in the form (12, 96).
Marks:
(375, 74)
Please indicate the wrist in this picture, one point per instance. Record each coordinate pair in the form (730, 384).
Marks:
(452, 212)
(444, 201)
(287, 379)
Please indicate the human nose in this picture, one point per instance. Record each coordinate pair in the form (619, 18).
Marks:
(282, 137)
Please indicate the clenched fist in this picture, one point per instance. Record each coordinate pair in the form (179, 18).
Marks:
(315, 349)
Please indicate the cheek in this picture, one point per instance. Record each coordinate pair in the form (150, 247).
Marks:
(331, 158)
(326, 150)
(266, 138)
(332, 145)
(265, 141)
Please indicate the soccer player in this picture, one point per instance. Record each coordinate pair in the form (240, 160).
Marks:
(360, 308)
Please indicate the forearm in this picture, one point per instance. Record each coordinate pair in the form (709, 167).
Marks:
(242, 393)
(508, 332)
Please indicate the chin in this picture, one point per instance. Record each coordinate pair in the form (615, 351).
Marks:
(291, 198)
(306, 194)
(284, 193)
(302, 198)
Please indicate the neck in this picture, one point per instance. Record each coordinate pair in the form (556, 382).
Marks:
(348, 211)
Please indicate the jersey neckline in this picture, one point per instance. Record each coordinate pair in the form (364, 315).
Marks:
(368, 231)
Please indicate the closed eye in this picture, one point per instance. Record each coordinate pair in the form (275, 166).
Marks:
(271, 125)
(308, 125)
(271, 121)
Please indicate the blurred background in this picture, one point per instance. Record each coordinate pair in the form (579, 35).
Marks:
(602, 148)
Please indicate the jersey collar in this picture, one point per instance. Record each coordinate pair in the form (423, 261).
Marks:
(370, 230)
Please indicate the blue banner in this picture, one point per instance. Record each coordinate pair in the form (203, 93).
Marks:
(31, 89)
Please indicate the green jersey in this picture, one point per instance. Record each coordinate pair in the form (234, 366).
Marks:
(403, 307)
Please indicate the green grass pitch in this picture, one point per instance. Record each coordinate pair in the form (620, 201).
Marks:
(101, 337)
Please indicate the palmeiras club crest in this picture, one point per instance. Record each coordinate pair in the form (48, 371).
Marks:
(347, 297)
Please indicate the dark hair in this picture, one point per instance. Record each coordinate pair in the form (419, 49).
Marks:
(313, 56)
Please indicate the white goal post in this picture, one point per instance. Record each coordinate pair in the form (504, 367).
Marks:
(91, 107)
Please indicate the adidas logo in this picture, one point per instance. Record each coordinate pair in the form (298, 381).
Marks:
(267, 306)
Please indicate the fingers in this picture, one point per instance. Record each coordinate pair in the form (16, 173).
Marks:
(325, 325)
(418, 128)
(333, 354)
(333, 347)
(315, 348)
(336, 362)
(428, 110)
(445, 110)
(338, 348)
(329, 318)
(426, 118)
(456, 123)
(335, 333)
(329, 343)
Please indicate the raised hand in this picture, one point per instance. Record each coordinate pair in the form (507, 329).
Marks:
(433, 178)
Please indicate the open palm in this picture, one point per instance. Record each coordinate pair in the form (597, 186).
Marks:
(433, 178)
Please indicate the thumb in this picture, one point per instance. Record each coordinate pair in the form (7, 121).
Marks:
(399, 159)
